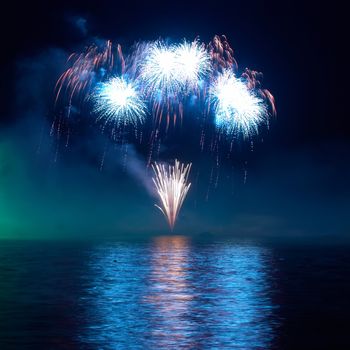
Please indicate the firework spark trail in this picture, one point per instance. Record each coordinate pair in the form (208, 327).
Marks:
(78, 79)
(76, 82)
(172, 186)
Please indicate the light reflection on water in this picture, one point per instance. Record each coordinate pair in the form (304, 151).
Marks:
(174, 294)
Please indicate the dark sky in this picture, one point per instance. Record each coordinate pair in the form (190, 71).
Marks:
(293, 184)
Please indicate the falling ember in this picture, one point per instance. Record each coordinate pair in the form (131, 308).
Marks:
(172, 186)
(221, 54)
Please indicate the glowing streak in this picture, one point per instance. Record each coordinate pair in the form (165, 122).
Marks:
(237, 108)
(172, 186)
(118, 101)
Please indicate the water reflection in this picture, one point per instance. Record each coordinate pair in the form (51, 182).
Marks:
(175, 294)
(170, 292)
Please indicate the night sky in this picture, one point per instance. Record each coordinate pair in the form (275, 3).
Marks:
(291, 183)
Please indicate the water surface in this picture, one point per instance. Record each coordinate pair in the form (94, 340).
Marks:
(171, 292)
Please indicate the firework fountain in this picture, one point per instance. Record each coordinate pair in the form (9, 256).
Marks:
(172, 186)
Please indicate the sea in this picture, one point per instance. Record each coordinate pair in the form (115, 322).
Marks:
(174, 292)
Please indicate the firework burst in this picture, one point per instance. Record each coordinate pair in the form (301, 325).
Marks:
(172, 186)
(237, 108)
(118, 101)
(193, 63)
(161, 81)
(170, 72)
(159, 70)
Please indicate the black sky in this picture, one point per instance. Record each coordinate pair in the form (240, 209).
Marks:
(300, 171)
